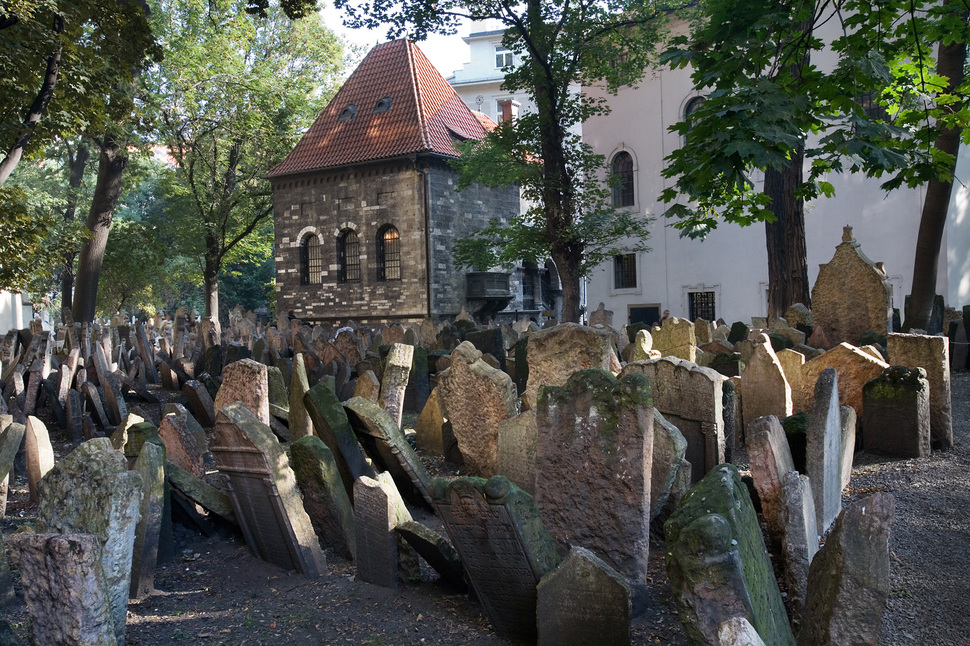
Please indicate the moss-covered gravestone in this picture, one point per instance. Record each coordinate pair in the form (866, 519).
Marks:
(896, 413)
(324, 497)
(718, 565)
(504, 546)
(332, 426)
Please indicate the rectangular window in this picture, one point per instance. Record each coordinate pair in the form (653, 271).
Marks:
(503, 58)
(649, 314)
(701, 305)
(625, 271)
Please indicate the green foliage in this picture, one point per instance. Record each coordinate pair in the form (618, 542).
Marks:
(133, 264)
(769, 85)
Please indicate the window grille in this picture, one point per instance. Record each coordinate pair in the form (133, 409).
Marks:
(625, 271)
(701, 305)
(311, 261)
(388, 254)
(622, 169)
(348, 257)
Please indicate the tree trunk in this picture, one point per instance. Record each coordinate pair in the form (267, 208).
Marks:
(567, 264)
(949, 63)
(76, 165)
(210, 277)
(111, 166)
(37, 109)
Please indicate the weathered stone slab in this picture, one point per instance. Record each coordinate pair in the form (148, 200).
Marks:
(799, 538)
(714, 536)
(378, 509)
(738, 631)
(11, 439)
(770, 461)
(517, 437)
(848, 582)
(114, 398)
(385, 442)
(299, 419)
(91, 491)
(669, 449)
(263, 490)
(368, 386)
(332, 426)
(475, 398)
(245, 381)
(151, 465)
(200, 401)
(823, 452)
(428, 433)
(933, 355)
(896, 413)
(676, 338)
(593, 460)
(504, 546)
(556, 353)
(763, 384)
(854, 368)
(324, 498)
(181, 445)
(39, 453)
(200, 492)
(583, 602)
(436, 550)
(65, 588)
(397, 369)
(848, 416)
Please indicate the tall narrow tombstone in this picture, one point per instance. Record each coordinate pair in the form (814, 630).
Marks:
(264, 493)
(114, 399)
(517, 437)
(848, 442)
(800, 538)
(933, 355)
(146, 352)
(75, 413)
(714, 537)
(151, 465)
(324, 498)
(428, 429)
(770, 461)
(505, 548)
(332, 426)
(583, 602)
(200, 402)
(593, 459)
(378, 509)
(397, 369)
(91, 491)
(823, 455)
(763, 384)
(245, 381)
(669, 449)
(896, 413)
(11, 438)
(300, 424)
(40, 454)
(848, 582)
(65, 588)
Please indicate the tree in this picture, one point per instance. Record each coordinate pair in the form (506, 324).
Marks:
(226, 125)
(560, 45)
(877, 111)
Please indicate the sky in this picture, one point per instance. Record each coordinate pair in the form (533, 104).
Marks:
(447, 53)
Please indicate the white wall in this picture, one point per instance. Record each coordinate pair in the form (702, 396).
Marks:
(11, 312)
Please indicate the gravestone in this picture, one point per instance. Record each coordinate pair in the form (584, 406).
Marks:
(854, 368)
(265, 497)
(593, 464)
(799, 538)
(601, 316)
(714, 536)
(181, 445)
(245, 381)
(770, 461)
(675, 338)
(848, 416)
(932, 354)
(436, 550)
(583, 602)
(386, 445)
(669, 449)
(848, 582)
(91, 491)
(397, 368)
(65, 588)
(324, 498)
(738, 631)
(378, 509)
(504, 547)
(151, 465)
(765, 391)
(200, 402)
(517, 437)
(851, 295)
(896, 413)
(428, 433)
(11, 438)
(823, 451)
(367, 385)
(195, 429)
(691, 398)
(39, 453)
(299, 419)
(200, 492)
(643, 347)
(350, 346)
(332, 426)
(475, 397)
(556, 353)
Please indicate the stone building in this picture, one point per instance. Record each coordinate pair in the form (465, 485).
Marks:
(366, 208)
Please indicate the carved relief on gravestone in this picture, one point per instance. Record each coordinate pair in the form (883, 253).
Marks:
(505, 548)
(851, 295)
(378, 509)
(264, 493)
(556, 353)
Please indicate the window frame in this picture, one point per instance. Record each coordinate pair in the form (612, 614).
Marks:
(348, 257)
(389, 258)
(508, 57)
(311, 260)
(625, 267)
(623, 192)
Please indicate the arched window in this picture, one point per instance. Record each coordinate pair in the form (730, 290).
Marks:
(388, 253)
(690, 108)
(622, 170)
(311, 260)
(348, 257)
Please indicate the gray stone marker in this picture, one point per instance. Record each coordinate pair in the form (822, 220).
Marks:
(378, 509)
(200, 401)
(201, 439)
(770, 461)
(848, 583)
(264, 493)
(738, 631)
(245, 381)
(436, 550)
(848, 442)
(799, 539)
(714, 536)
(823, 453)
(517, 438)
(896, 413)
(932, 354)
(593, 460)
(324, 498)
(669, 449)
(556, 353)
(504, 546)
(39, 453)
(181, 445)
(387, 446)
(10, 440)
(114, 398)
(91, 491)
(200, 492)
(65, 588)
(151, 465)
(395, 382)
(299, 419)
(332, 426)
(583, 602)
(765, 389)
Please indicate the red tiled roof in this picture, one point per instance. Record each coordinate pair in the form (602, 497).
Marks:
(425, 116)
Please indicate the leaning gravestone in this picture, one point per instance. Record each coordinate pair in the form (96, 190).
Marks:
(151, 465)
(324, 497)
(395, 382)
(245, 381)
(896, 413)
(200, 401)
(299, 420)
(593, 463)
(714, 536)
(332, 426)
(770, 461)
(504, 546)
(669, 449)
(378, 509)
(91, 491)
(823, 451)
(800, 538)
(932, 354)
(583, 602)
(436, 550)
(517, 437)
(264, 494)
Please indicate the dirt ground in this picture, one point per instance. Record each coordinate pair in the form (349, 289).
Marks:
(215, 591)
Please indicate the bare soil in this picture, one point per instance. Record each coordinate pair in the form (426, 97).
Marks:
(216, 592)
